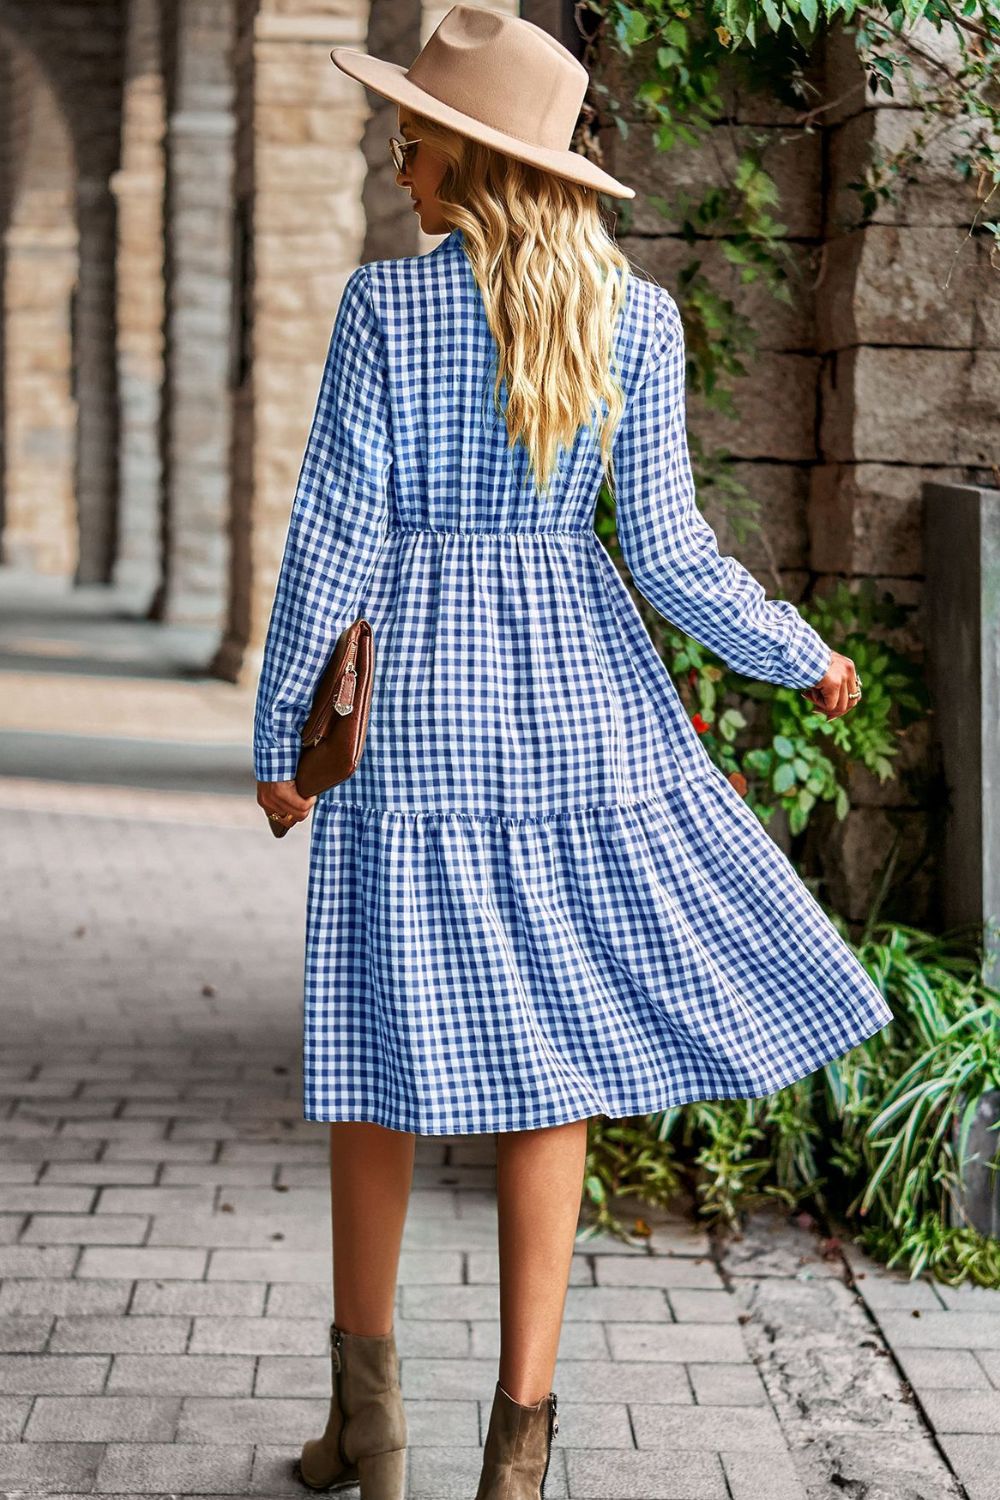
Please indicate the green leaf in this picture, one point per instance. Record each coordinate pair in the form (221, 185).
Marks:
(784, 746)
(784, 777)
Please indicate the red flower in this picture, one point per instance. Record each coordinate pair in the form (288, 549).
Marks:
(739, 781)
(699, 723)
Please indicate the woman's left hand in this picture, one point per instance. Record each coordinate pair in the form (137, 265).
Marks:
(280, 799)
(838, 690)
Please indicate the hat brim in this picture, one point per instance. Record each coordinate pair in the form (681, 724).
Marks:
(387, 79)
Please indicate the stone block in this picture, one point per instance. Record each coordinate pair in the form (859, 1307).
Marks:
(181, 1375)
(792, 157)
(682, 1475)
(879, 290)
(947, 418)
(102, 1419)
(174, 1469)
(866, 518)
(52, 1468)
(938, 197)
(207, 1419)
(144, 1263)
(702, 1343)
(92, 1333)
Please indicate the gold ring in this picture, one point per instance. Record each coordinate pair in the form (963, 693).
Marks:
(280, 817)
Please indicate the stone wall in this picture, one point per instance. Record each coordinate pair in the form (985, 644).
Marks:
(873, 378)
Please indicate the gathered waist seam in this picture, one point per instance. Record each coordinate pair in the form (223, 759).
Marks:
(501, 531)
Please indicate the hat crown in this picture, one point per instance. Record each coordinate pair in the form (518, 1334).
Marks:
(505, 72)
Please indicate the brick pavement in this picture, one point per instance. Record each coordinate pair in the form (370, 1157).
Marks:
(164, 1224)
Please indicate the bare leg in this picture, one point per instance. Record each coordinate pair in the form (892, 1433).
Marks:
(371, 1171)
(539, 1186)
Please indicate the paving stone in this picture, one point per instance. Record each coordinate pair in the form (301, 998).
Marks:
(86, 1229)
(24, 1335)
(969, 1298)
(989, 1361)
(687, 1342)
(213, 1174)
(40, 1469)
(273, 1471)
(52, 1375)
(48, 1150)
(963, 1411)
(181, 1375)
(154, 1200)
(219, 1335)
(224, 1230)
(11, 1226)
(696, 1306)
(100, 1173)
(55, 1297)
(99, 1335)
(976, 1461)
(217, 1420)
(37, 1260)
(174, 1468)
(645, 1476)
(13, 1415)
(199, 1298)
(294, 1375)
(96, 1419)
(726, 1385)
(754, 1476)
(144, 1263)
(133, 1149)
(886, 1294)
(942, 1330)
(133, 1132)
(741, 1428)
(942, 1369)
(18, 1171)
(439, 1422)
(313, 1266)
(657, 1270)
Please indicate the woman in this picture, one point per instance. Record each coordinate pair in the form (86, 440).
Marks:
(537, 900)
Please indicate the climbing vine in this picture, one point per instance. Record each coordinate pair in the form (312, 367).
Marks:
(672, 69)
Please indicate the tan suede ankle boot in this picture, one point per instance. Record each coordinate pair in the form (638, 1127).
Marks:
(365, 1438)
(518, 1448)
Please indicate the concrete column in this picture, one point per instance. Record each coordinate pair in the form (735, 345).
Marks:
(301, 175)
(40, 255)
(200, 129)
(138, 188)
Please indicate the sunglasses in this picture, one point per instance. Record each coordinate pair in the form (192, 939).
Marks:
(398, 149)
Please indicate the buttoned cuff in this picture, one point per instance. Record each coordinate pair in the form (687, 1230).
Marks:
(277, 762)
(807, 658)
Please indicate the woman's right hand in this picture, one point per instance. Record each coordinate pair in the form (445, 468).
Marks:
(839, 690)
(280, 797)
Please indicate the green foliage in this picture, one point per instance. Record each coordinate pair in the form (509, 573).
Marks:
(878, 1136)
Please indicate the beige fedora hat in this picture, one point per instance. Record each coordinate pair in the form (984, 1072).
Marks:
(499, 79)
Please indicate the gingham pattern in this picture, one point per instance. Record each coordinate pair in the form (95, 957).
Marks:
(537, 899)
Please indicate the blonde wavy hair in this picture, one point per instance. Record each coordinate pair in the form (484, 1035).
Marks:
(553, 281)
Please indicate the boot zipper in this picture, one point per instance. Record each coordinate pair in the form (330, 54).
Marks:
(553, 1429)
(336, 1339)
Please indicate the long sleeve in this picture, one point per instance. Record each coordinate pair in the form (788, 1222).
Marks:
(672, 551)
(337, 526)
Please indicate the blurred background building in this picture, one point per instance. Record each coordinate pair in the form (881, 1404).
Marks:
(186, 185)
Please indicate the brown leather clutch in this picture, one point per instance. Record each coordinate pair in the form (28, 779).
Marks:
(333, 736)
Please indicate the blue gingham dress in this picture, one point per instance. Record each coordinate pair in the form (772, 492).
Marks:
(537, 899)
